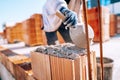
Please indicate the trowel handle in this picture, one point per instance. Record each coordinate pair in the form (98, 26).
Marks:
(60, 15)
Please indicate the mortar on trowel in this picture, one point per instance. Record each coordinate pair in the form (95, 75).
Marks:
(78, 34)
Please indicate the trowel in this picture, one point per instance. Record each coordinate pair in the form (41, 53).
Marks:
(78, 34)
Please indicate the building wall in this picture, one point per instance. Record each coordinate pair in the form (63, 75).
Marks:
(113, 5)
(113, 1)
(114, 8)
(93, 3)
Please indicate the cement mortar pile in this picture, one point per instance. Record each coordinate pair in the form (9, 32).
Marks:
(66, 50)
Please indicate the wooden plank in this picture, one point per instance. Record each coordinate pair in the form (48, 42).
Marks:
(23, 69)
(5, 74)
(14, 60)
(5, 61)
(16, 64)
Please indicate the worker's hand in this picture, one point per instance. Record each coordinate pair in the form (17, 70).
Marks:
(70, 17)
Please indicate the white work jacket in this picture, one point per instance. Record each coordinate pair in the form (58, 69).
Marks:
(50, 20)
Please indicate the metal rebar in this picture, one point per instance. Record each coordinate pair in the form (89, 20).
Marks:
(87, 38)
(100, 32)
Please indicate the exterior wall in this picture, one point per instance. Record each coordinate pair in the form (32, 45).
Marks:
(114, 8)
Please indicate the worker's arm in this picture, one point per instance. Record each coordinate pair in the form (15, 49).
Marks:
(70, 17)
(55, 5)
(51, 20)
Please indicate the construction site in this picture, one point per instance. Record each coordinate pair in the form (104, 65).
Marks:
(26, 55)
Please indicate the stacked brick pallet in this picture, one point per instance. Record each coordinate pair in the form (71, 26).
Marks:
(118, 24)
(4, 32)
(9, 34)
(40, 36)
(49, 67)
(32, 33)
(93, 21)
(18, 65)
(113, 25)
(19, 32)
(14, 33)
(29, 32)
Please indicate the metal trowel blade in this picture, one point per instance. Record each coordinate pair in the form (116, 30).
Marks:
(78, 35)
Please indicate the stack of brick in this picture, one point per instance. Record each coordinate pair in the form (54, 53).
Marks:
(29, 34)
(118, 24)
(19, 32)
(93, 21)
(14, 33)
(29, 31)
(32, 33)
(4, 32)
(54, 66)
(10, 34)
(40, 36)
(113, 25)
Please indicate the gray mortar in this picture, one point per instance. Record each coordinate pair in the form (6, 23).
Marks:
(66, 50)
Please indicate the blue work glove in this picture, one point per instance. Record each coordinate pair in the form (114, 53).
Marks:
(70, 17)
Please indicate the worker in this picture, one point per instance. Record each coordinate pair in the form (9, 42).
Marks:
(52, 23)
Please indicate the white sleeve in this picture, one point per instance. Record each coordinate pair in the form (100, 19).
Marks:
(50, 20)
(53, 5)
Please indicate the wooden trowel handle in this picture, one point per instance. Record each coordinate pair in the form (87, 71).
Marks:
(60, 15)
